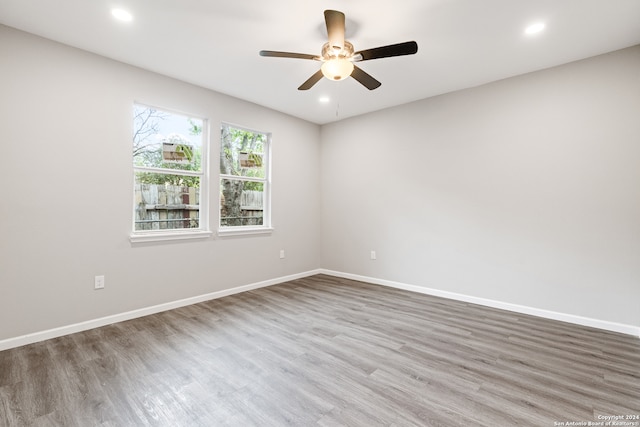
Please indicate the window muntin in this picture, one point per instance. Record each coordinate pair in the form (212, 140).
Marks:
(244, 179)
(169, 155)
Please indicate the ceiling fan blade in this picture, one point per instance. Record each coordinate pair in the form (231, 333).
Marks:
(365, 79)
(399, 49)
(335, 28)
(311, 81)
(276, 54)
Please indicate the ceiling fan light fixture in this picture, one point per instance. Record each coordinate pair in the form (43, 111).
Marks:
(337, 68)
(338, 55)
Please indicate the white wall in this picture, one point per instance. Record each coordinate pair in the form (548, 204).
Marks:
(525, 191)
(65, 208)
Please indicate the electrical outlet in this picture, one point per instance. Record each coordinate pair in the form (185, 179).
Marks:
(99, 282)
(373, 254)
(281, 253)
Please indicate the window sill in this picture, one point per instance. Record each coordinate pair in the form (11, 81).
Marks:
(164, 236)
(244, 231)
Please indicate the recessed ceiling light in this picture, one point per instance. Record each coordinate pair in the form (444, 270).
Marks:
(121, 15)
(534, 28)
(324, 99)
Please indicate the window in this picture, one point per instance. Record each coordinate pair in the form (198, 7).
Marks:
(169, 164)
(244, 181)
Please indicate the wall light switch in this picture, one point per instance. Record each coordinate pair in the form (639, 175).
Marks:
(281, 253)
(373, 254)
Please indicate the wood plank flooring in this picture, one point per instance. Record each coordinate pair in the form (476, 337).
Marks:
(323, 351)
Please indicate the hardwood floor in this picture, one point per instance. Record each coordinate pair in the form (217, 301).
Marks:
(324, 351)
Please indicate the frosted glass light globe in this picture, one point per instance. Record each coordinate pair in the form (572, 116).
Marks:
(337, 68)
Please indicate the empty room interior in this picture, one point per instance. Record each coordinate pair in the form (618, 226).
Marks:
(320, 213)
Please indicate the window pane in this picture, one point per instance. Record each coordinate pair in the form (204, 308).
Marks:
(242, 152)
(241, 203)
(166, 140)
(166, 202)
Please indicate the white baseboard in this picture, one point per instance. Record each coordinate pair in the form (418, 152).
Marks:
(563, 317)
(121, 317)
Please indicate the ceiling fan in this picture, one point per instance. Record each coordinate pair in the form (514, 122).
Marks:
(338, 55)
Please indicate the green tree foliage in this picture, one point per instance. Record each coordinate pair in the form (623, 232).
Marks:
(233, 143)
(147, 148)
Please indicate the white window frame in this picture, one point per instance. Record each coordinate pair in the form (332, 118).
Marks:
(203, 231)
(266, 227)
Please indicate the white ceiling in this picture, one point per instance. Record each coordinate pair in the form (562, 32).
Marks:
(215, 43)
